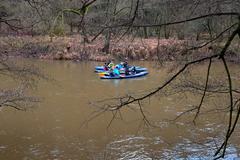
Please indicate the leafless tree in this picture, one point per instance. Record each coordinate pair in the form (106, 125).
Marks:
(233, 93)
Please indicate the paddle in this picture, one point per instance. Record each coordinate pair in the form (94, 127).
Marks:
(101, 74)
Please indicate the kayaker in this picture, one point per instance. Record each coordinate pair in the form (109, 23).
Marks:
(116, 71)
(121, 65)
(126, 67)
(125, 64)
(111, 65)
(106, 67)
(134, 70)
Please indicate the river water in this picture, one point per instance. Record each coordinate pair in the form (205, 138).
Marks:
(60, 127)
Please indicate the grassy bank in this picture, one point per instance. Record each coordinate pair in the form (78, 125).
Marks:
(72, 48)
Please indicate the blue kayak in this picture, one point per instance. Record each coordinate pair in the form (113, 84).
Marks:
(140, 74)
(138, 69)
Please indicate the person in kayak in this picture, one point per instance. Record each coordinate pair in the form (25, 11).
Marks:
(106, 67)
(116, 71)
(125, 64)
(134, 70)
(126, 67)
(111, 65)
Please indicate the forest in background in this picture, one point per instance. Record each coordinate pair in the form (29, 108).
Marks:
(83, 29)
(41, 17)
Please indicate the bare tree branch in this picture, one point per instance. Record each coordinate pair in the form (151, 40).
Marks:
(205, 89)
(182, 21)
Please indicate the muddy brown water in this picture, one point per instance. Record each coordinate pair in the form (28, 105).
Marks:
(54, 128)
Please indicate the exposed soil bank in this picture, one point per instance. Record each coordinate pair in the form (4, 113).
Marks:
(72, 48)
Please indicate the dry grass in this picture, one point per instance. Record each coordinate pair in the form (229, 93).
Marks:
(73, 48)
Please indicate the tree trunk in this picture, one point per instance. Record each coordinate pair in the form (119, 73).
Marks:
(107, 42)
(209, 28)
(145, 31)
(166, 32)
(197, 36)
(71, 27)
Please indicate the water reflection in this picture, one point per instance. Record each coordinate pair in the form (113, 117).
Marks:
(118, 82)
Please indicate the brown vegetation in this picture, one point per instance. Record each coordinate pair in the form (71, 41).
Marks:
(72, 48)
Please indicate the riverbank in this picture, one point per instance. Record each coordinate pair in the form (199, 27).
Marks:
(73, 48)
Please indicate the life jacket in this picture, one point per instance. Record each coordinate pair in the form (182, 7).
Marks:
(105, 68)
(116, 71)
(110, 65)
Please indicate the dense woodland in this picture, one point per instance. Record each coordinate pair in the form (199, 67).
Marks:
(35, 17)
(100, 25)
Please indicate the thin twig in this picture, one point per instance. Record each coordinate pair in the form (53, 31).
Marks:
(205, 89)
